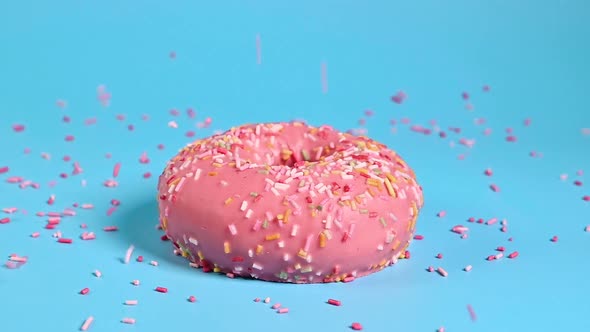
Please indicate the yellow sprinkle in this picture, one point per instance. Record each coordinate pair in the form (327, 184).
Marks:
(353, 205)
(217, 165)
(389, 188)
(175, 182)
(363, 170)
(259, 249)
(200, 254)
(358, 199)
(297, 266)
(322, 240)
(391, 178)
(228, 201)
(164, 223)
(212, 173)
(373, 182)
(226, 247)
(302, 253)
(272, 237)
(396, 244)
(287, 214)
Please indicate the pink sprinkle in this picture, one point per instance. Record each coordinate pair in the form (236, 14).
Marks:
(472, 314)
(258, 50)
(492, 221)
(4, 220)
(189, 133)
(69, 138)
(110, 183)
(485, 88)
(131, 302)
(430, 269)
(586, 198)
(563, 177)
(97, 273)
(51, 200)
(585, 131)
(154, 263)
(193, 299)
(356, 326)
(418, 237)
(115, 202)
(116, 170)
(554, 238)
(128, 254)
(578, 183)
(111, 210)
(35, 235)
(587, 229)
(18, 128)
(135, 282)
(64, 240)
(257, 299)
(147, 175)
(334, 302)
(161, 289)
(439, 256)
(513, 255)
(267, 300)
(468, 268)
(399, 97)
(110, 228)
(87, 323)
(578, 173)
(172, 55)
(511, 138)
(465, 96)
(324, 77)
(276, 306)
(128, 321)
(442, 272)
(4, 169)
(442, 214)
(144, 158)
(85, 291)
(494, 188)
(459, 229)
(61, 103)
(488, 172)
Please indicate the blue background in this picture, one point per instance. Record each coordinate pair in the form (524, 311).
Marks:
(533, 54)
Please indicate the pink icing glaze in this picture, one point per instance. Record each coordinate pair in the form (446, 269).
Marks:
(287, 202)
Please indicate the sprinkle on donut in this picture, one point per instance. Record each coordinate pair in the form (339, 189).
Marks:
(288, 202)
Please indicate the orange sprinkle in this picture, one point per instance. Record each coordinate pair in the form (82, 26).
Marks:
(212, 173)
(286, 217)
(272, 237)
(389, 187)
(228, 201)
(391, 178)
(323, 240)
(302, 253)
(226, 247)
(259, 249)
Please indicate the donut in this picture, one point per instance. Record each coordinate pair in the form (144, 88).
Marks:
(289, 202)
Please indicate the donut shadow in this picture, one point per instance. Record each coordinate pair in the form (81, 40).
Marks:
(138, 227)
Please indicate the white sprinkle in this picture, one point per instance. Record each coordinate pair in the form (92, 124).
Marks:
(193, 241)
(244, 206)
(257, 266)
(232, 229)
(197, 174)
(249, 213)
(294, 230)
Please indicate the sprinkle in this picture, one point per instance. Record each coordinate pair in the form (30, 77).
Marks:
(87, 323)
(442, 214)
(468, 268)
(283, 310)
(131, 302)
(334, 302)
(356, 326)
(226, 247)
(161, 289)
(399, 97)
(272, 237)
(513, 255)
(494, 188)
(442, 272)
(418, 237)
(97, 273)
(64, 240)
(35, 235)
(128, 254)
(153, 263)
(85, 291)
(135, 282)
(472, 314)
(232, 229)
(267, 300)
(110, 228)
(128, 321)
(554, 238)
(116, 170)
(276, 306)
(192, 299)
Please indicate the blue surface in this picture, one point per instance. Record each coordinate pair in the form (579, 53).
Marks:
(533, 54)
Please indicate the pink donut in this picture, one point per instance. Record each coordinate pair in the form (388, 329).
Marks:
(288, 202)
